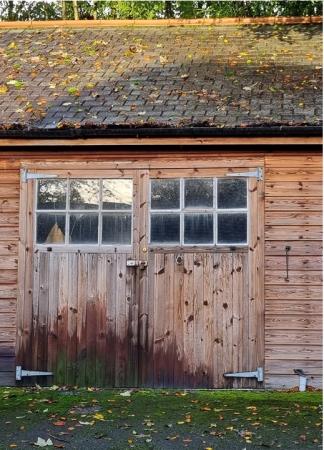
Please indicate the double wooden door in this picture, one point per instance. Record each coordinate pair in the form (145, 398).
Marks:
(126, 279)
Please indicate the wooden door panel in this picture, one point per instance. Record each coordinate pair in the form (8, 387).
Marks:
(200, 318)
(85, 318)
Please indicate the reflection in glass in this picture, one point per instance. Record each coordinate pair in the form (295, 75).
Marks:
(84, 194)
(198, 193)
(117, 194)
(50, 228)
(165, 228)
(231, 193)
(51, 194)
(116, 229)
(198, 229)
(84, 229)
(165, 194)
(232, 228)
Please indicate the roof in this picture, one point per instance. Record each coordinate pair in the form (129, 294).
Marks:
(161, 77)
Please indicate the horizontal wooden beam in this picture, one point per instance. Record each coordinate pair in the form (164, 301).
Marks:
(240, 141)
(160, 22)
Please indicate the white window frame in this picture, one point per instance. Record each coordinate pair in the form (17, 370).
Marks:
(214, 210)
(67, 212)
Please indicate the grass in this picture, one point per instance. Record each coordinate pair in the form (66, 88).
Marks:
(159, 419)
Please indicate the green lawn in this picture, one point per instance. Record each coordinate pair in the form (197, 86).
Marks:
(160, 419)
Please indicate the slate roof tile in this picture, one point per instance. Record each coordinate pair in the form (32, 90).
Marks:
(218, 76)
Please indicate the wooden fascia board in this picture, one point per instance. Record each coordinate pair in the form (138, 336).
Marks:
(239, 141)
(225, 21)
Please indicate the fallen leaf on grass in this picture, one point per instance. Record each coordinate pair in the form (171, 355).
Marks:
(126, 393)
(42, 443)
(59, 423)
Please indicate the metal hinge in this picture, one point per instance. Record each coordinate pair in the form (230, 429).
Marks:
(20, 372)
(258, 374)
(258, 174)
(25, 175)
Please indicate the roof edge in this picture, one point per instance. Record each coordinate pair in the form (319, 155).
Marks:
(198, 132)
(224, 21)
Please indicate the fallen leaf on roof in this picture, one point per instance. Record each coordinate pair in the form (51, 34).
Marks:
(42, 443)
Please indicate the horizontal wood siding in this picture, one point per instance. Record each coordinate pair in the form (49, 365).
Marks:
(9, 218)
(293, 307)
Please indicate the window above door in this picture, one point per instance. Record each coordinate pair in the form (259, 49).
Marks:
(84, 211)
(199, 211)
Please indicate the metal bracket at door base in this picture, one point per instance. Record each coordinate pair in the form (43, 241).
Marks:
(258, 374)
(20, 373)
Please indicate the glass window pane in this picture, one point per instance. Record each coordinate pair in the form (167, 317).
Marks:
(50, 228)
(84, 194)
(232, 228)
(198, 229)
(165, 194)
(51, 194)
(84, 229)
(199, 193)
(231, 193)
(116, 228)
(165, 228)
(117, 194)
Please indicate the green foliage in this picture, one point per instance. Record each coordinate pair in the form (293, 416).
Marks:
(127, 9)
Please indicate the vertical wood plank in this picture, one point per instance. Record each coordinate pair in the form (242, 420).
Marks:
(91, 319)
(62, 327)
(53, 313)
(188, 337)
(81, 321)
(72, 311)
(209, 319)
(178, 319)
(121, 322)
(198, 321)
(111, 319)
(159, 320)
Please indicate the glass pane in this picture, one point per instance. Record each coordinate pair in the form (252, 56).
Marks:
(231, 193)
(165, 194)
(232, 228)
(50, 228)
(84, 194)
(117, 194)
(51, 194)
(116, 228)
(198, 229)
(84, 229)
(165, 228)
(199, 193)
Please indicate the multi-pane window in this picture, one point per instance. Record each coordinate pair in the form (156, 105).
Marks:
(84, 211)
(198, 211)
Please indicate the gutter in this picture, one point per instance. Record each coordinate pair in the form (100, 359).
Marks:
(189, 132)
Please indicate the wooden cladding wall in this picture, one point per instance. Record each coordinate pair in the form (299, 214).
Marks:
(9, 218)
(293, 306)
(292, 215)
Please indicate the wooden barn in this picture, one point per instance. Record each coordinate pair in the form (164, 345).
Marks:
(160, 204)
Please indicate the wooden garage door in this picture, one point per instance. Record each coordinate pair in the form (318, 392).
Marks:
(205, 300)
(141, 278)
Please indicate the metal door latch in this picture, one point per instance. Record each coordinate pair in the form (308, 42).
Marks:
(136, 263)
(258, 374)
(20, 373)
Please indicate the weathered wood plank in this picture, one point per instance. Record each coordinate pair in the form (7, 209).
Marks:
(293, 292)
(296, 277)
(293, 189)
(293, 160)
(286, 367)
(293, 322)
(8, 306)
(294, 262)
(289, 382)
(9, 263)
(293, 174)
(293, 337)
(297, 248)
(9, 249)
(287, 307)
(8, 204)
(293, 204)
(188, 338)
(303, 351)
(178, 320)
(293, 232)
(292, 218)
